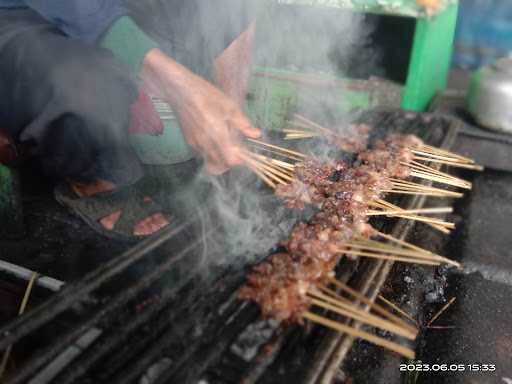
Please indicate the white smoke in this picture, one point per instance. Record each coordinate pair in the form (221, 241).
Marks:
(309, 40)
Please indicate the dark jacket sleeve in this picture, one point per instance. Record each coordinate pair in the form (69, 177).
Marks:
(83, 19)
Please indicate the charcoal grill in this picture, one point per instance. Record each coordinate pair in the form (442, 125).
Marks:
(112, 327)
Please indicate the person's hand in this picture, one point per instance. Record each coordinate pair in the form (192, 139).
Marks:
(212, 123)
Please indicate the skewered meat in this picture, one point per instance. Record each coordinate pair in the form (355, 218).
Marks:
(392, 155)
(312, 178)
(356, 140)
(279, 287)
(342, 194)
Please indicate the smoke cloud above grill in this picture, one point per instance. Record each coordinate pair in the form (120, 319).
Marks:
(305, 39)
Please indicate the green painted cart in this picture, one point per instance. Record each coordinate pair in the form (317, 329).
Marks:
(432, 47)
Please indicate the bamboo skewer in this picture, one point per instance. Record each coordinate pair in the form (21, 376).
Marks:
(424, 151)
(409, 186)
(23, 306)
(415, 247)
(411, 211)
(283, 164)
(308, 129)
(450, 163)
(299, 155)
(401, 252)
(427, 176)
(441, 225)
(274, 170)
(374, 306)
(403, 243)
(397, 308)
(362, 315)
(383, 204)
(262, 168)
(383, 256)
(270, 172)
(388, 246)
(419, 193)
(449, 179)
(297, 136)
(441, 311)
(408, 248)
(275, 152)
(435, 150)
(406, 188)
(411, 258)
(413, 184)
(298, 131)
(314, 125)
(305, 127)
(269, 162)
(404, 351)
(330, 305)
(436, 156)
(437, 172)
(261, 175)
(291, 134)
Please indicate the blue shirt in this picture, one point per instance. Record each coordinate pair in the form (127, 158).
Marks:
(83, 19)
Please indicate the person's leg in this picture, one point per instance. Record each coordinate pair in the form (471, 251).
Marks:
(72, 102)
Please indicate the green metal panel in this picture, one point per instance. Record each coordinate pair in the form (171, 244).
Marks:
(275, 94)
(168, 148)
(430, 59)
(432, 47)
(394, 7)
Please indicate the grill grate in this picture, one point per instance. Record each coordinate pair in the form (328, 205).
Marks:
(194, 321)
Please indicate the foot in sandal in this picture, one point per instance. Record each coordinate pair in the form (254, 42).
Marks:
(112, 212)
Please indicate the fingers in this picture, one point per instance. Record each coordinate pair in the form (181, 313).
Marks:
(231, 156)
(243, 125)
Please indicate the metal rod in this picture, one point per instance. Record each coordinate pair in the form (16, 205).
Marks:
(105, 311)
(221, 299)
(163, 310)
(209, 349)
(73, 293)
(25, 274)
(69, 354)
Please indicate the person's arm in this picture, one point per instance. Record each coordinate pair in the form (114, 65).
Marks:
(212, 122)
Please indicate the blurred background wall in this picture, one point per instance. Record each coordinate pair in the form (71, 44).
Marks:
(484, 32)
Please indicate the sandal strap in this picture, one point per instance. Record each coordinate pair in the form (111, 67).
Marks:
(98, 206)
